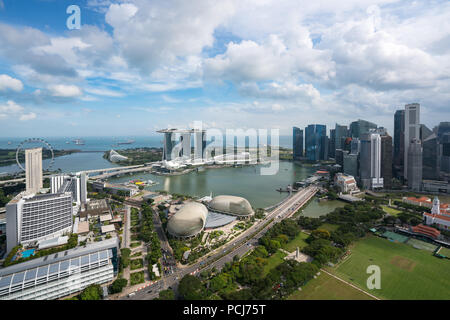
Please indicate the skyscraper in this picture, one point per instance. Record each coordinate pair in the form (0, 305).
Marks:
(357, 128)
(332, 144)
(324, 145)
(415, 165)
(370, 161)
(313, 141)
(431, 158)
(412, 130)
(340, 133)
(375, 161)
(399, 143)
(297, 143)
(386, 160)
(33, 170)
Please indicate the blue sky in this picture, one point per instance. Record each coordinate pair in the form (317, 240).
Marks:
(138, 66)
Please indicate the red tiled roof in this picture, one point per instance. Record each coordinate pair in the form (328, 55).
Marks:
(437, 216)
(429, 231)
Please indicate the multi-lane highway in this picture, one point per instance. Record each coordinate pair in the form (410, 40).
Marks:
(238, 246)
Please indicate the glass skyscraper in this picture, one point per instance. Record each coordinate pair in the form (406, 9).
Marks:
(313, 141)
(297, 143)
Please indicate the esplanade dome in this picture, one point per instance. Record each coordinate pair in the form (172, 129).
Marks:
(188, 221)
(232, 205)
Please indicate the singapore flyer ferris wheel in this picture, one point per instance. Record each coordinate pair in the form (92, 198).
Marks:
(35, 141)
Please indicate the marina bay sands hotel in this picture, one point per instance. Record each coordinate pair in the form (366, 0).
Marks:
(177, 144)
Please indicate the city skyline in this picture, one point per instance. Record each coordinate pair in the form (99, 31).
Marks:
(319, 64)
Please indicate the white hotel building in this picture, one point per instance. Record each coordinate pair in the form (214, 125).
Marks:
(32, 218)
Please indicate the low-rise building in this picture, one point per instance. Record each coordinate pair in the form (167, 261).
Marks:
(346, 183)
(61, 274)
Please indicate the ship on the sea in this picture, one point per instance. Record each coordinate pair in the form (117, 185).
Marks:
(126, 142)
(79, 142)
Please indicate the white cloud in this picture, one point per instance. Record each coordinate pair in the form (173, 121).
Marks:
(65, 91)
(27, 116)
(9, 83)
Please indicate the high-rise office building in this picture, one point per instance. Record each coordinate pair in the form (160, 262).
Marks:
(297, 143)
(324, 145)
(355, 146)
(415, 165)
(313, 141)
(33, 218)
(412, 130)
(431, 157)
(33, 170)
(375, 161)
(399, 143)
(340, 157)
(341, 132)
(370, 161)
(332, 144)
(357, 128)
(386, 160)
(351, 164)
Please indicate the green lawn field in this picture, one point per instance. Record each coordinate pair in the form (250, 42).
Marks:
(273, 261)
(406, 272)
(325, 287)
(391, 211)
(298, 241)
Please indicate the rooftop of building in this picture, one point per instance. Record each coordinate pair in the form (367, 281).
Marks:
(61, 256)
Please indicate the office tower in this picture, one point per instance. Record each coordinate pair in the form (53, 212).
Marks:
(340, 132)
(415, 165)
(332, 147)
(347, 144)
(370, 161)
(355, 146)
(399, 143)
(412, 130)
(357, 128)
(442, 128)
(33, 170)
(31, 218)
(386, 160)
(340, 157)
(324, 144)
(445, 153)
(375, 161)
(431, 157)
(351, 164)
(297, 143)
(61, 274)
(313, 134)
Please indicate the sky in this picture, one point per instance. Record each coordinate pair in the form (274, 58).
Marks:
(138, 66)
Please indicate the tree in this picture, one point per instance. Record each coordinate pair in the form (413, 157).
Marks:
(191, 288)
(118, 285)
(166, 295)
(92, 292)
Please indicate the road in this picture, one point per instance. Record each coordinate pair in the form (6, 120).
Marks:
(238, 246)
